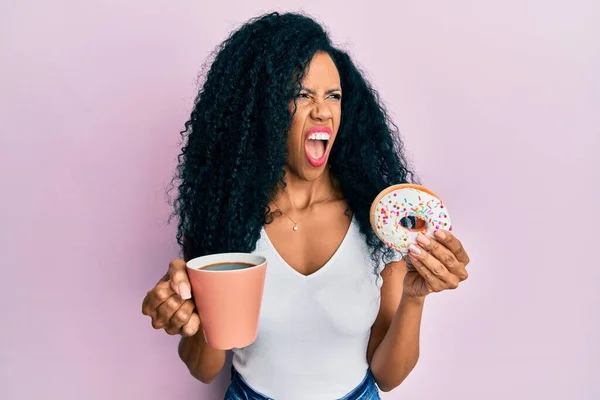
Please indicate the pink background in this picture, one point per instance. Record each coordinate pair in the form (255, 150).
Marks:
(499, 103)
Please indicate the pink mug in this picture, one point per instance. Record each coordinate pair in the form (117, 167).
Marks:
(228, 290)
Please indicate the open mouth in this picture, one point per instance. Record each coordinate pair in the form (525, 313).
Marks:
(316, 146)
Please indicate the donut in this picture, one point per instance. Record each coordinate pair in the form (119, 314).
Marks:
(400, 212)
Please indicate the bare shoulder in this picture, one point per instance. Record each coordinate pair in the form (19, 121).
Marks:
(394, 270)
(393, 283)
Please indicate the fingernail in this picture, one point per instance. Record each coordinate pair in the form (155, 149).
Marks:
(440, 235)
(414, 249)
(185, 291)
(424, 240)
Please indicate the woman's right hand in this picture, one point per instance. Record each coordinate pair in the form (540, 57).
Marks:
(170, 303)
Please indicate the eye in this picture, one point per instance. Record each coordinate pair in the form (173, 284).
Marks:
(302, 95)
(337, 96)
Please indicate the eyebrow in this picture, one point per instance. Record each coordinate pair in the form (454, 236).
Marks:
(327, 92)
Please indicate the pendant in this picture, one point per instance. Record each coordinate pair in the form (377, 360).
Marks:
(295, 228)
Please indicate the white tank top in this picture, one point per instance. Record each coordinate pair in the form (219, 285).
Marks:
(313, 330)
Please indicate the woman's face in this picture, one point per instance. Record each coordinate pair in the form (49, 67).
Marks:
(316, 120)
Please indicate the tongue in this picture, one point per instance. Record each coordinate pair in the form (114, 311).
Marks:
(315, 149)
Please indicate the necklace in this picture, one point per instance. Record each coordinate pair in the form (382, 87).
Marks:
(296, 227)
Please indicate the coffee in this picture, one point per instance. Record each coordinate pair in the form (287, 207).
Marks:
(228, 266)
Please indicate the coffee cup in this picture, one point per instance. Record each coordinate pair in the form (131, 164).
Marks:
(228, 290)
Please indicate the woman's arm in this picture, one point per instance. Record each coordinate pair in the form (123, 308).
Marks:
(436, 264)
(394, 344)
(170, 305)
(203, 361)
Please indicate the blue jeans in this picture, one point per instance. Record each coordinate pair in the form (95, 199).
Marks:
(239, 390)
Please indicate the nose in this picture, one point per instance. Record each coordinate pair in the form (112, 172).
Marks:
(320, 111)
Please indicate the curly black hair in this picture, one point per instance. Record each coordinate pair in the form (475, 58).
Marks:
(235, 142)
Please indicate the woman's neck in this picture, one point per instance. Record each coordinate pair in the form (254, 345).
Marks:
(300, 194)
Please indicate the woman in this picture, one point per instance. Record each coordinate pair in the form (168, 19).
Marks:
(287, 146)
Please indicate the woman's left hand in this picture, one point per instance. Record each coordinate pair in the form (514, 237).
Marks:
(435, 264)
